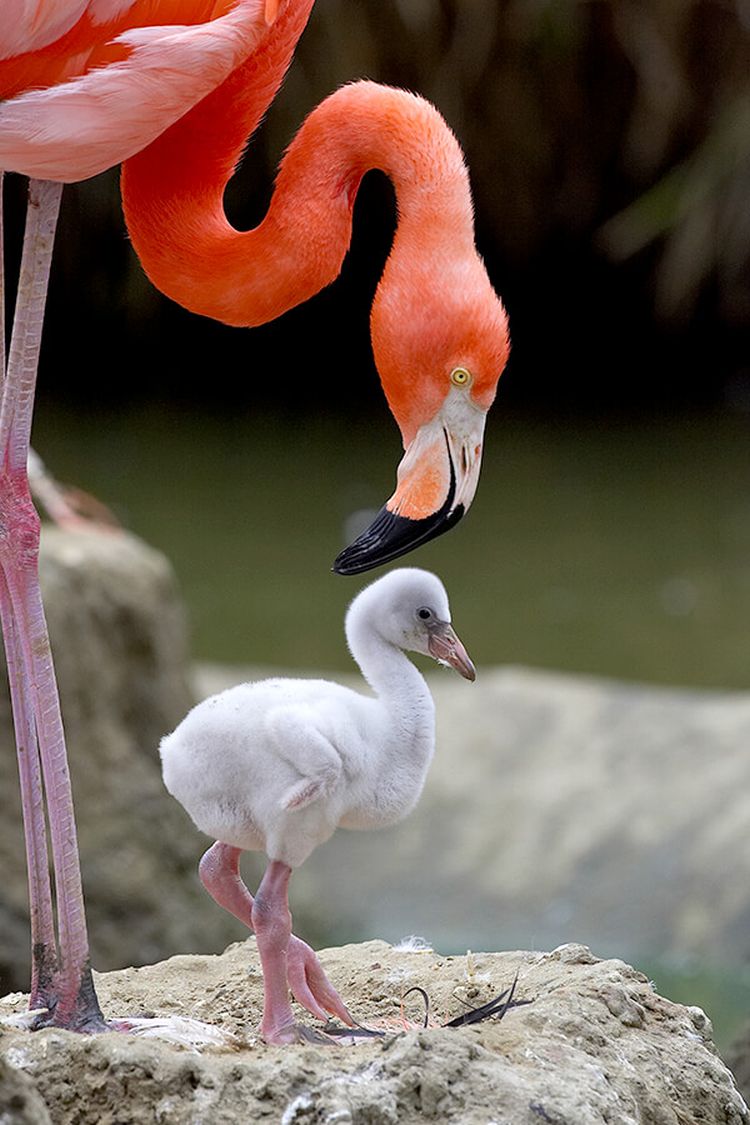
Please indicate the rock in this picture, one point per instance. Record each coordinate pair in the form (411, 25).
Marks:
(595, 1045)
(738, 1059)
(118, 634)
(560, 808)
(20, 1104)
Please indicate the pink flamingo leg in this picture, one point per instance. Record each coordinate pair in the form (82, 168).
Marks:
(220, 874)
(43, 942)
(2, 285)
(272, 923)
(71, 996)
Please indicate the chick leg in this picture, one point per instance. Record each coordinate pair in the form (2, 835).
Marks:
(220, 874)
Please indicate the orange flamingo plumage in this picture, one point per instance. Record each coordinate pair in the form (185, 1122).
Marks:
(174, 88)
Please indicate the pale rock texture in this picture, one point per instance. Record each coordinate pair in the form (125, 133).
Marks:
(595, 1046)
(20, 1104)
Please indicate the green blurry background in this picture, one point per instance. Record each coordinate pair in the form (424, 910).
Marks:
(618, 549)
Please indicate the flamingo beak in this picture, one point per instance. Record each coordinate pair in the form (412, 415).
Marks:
(445, 647)
(437, 479)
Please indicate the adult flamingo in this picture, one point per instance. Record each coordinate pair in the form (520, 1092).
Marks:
(90, 83)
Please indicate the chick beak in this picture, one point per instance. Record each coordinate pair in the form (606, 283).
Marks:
(444, 646)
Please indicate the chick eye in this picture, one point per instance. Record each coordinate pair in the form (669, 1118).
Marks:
(424, 613)
(460, 377)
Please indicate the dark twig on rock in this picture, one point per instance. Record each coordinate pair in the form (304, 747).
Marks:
(493, 1009)
(425, 997)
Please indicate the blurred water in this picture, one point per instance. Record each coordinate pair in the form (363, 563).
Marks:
(618, 549)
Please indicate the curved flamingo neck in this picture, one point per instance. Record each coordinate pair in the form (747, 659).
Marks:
(173, 196)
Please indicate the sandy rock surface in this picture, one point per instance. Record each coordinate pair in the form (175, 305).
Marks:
(596, 1045)
(20, 1104)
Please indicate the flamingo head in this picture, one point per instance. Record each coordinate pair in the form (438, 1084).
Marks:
(440, 343)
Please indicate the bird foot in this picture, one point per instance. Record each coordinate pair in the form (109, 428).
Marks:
(350, 1036)
(310, 986)
(296, 1033)
(36, 1019)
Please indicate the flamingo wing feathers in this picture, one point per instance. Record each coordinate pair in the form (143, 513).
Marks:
(79, 127)
(28, 25)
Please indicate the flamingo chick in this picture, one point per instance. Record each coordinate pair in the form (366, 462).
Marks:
(278, 765)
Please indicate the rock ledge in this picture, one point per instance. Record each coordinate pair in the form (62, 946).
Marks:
(595, 1045)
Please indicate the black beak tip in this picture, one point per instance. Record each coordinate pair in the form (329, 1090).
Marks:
(344, 564)
(389, 537)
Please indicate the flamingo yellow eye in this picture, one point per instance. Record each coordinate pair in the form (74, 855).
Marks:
(460, 377)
